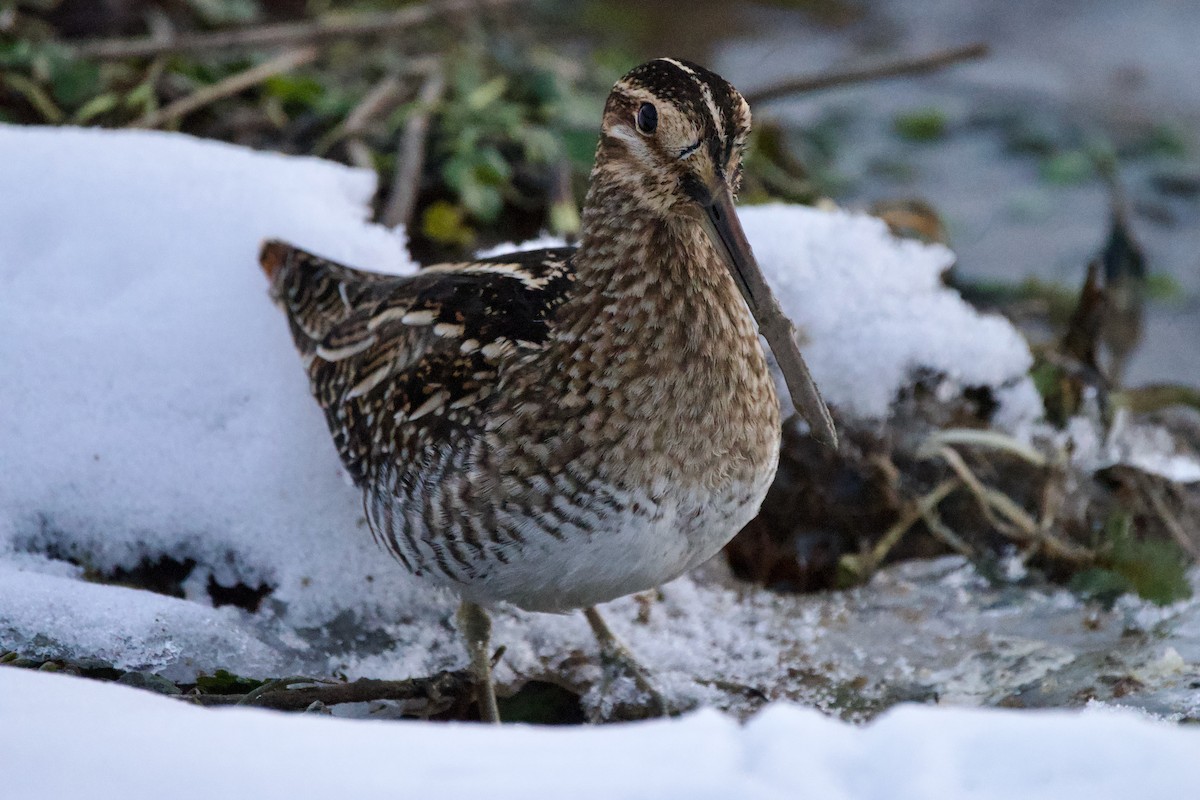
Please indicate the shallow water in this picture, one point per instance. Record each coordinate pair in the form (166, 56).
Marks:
(1068, 75)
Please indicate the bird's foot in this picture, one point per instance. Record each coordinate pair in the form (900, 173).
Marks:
(618, 662)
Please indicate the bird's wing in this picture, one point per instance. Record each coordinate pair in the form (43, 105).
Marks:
(397, 359)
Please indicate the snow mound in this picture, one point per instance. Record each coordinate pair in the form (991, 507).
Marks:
(153, 409)
(152, 401)
(873, 311)
(69, 737)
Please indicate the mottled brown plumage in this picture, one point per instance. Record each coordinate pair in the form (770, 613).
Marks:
(562, 427)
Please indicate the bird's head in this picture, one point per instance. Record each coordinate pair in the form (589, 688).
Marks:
(671, 148)
(671, 152)
(673, 135)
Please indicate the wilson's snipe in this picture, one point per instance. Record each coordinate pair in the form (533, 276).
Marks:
(559, 428)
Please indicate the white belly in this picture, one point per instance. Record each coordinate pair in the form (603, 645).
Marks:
(647, 545)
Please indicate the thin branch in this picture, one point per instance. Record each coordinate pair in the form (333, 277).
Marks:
(382, 98)
(228, 87)
(1158, 504)
(865, 563)
(436, 687)
(940, 530)
(410, 155)
(1017, 523)
(286, 34)
(981, 438)
(891, 69)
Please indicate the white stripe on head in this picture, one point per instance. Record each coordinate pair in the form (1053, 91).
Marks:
(706, 93)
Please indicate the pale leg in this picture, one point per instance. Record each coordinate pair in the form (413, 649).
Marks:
(613, 653)
(476, 628)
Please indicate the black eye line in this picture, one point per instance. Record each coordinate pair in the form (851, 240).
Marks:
(687, 151)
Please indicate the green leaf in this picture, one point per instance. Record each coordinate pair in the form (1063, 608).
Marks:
(580, 146)
(456, 171)
(925, 125)
(300, 90)
(445, 223)
(72, 82)
(1103, 586)
(484, 202)
(225, 682)
(141, 97)
(16, 54)
(541, 145)
(564, 219)
(1046, 377)
(488, 93)
(491, 167)
(1067, 169)
(100, 104)
(1156, 569)
(1163, 287)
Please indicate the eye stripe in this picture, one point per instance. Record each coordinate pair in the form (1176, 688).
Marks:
(687, 151)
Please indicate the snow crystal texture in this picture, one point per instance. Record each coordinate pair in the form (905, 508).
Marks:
(69, 737)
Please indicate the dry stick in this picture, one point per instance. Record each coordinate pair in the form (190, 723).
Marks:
(978, 491)
(441, 685)
(869, 561)
(891, 69)
(940, 530)
(228, 87)
(286, 34)
(410, 156)
(1159, 504)
(383, 97)
(1023, 527)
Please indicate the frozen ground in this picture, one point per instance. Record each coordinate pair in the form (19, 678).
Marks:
(153, 408)
(123, 743)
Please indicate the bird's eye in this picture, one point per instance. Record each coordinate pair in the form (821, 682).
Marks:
(647, 118)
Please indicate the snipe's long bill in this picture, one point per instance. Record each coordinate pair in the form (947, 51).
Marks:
(558, 428)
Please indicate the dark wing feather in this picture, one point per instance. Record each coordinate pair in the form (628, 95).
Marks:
(397, 361)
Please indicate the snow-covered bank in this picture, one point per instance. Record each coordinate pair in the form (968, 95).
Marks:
(152, 407)
(69, 737)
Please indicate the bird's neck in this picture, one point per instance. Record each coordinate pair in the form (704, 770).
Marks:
(637, 259)
(663, 354)
(652, 287)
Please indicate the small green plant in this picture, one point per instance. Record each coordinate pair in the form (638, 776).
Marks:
(1154, 569)
(923, 125)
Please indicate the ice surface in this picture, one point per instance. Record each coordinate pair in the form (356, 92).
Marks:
(69, 737)
(152, 406)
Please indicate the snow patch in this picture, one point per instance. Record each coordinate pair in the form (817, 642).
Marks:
(70, 737)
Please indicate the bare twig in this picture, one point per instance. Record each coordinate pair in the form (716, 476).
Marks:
(863, 564)
(994, 440)
(441, 685)
(383, 97)
(287, 34)
(1158, 504)
(891, 69)
(410, 155)
(942, 531)
(228, 87)
(1017, 523)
